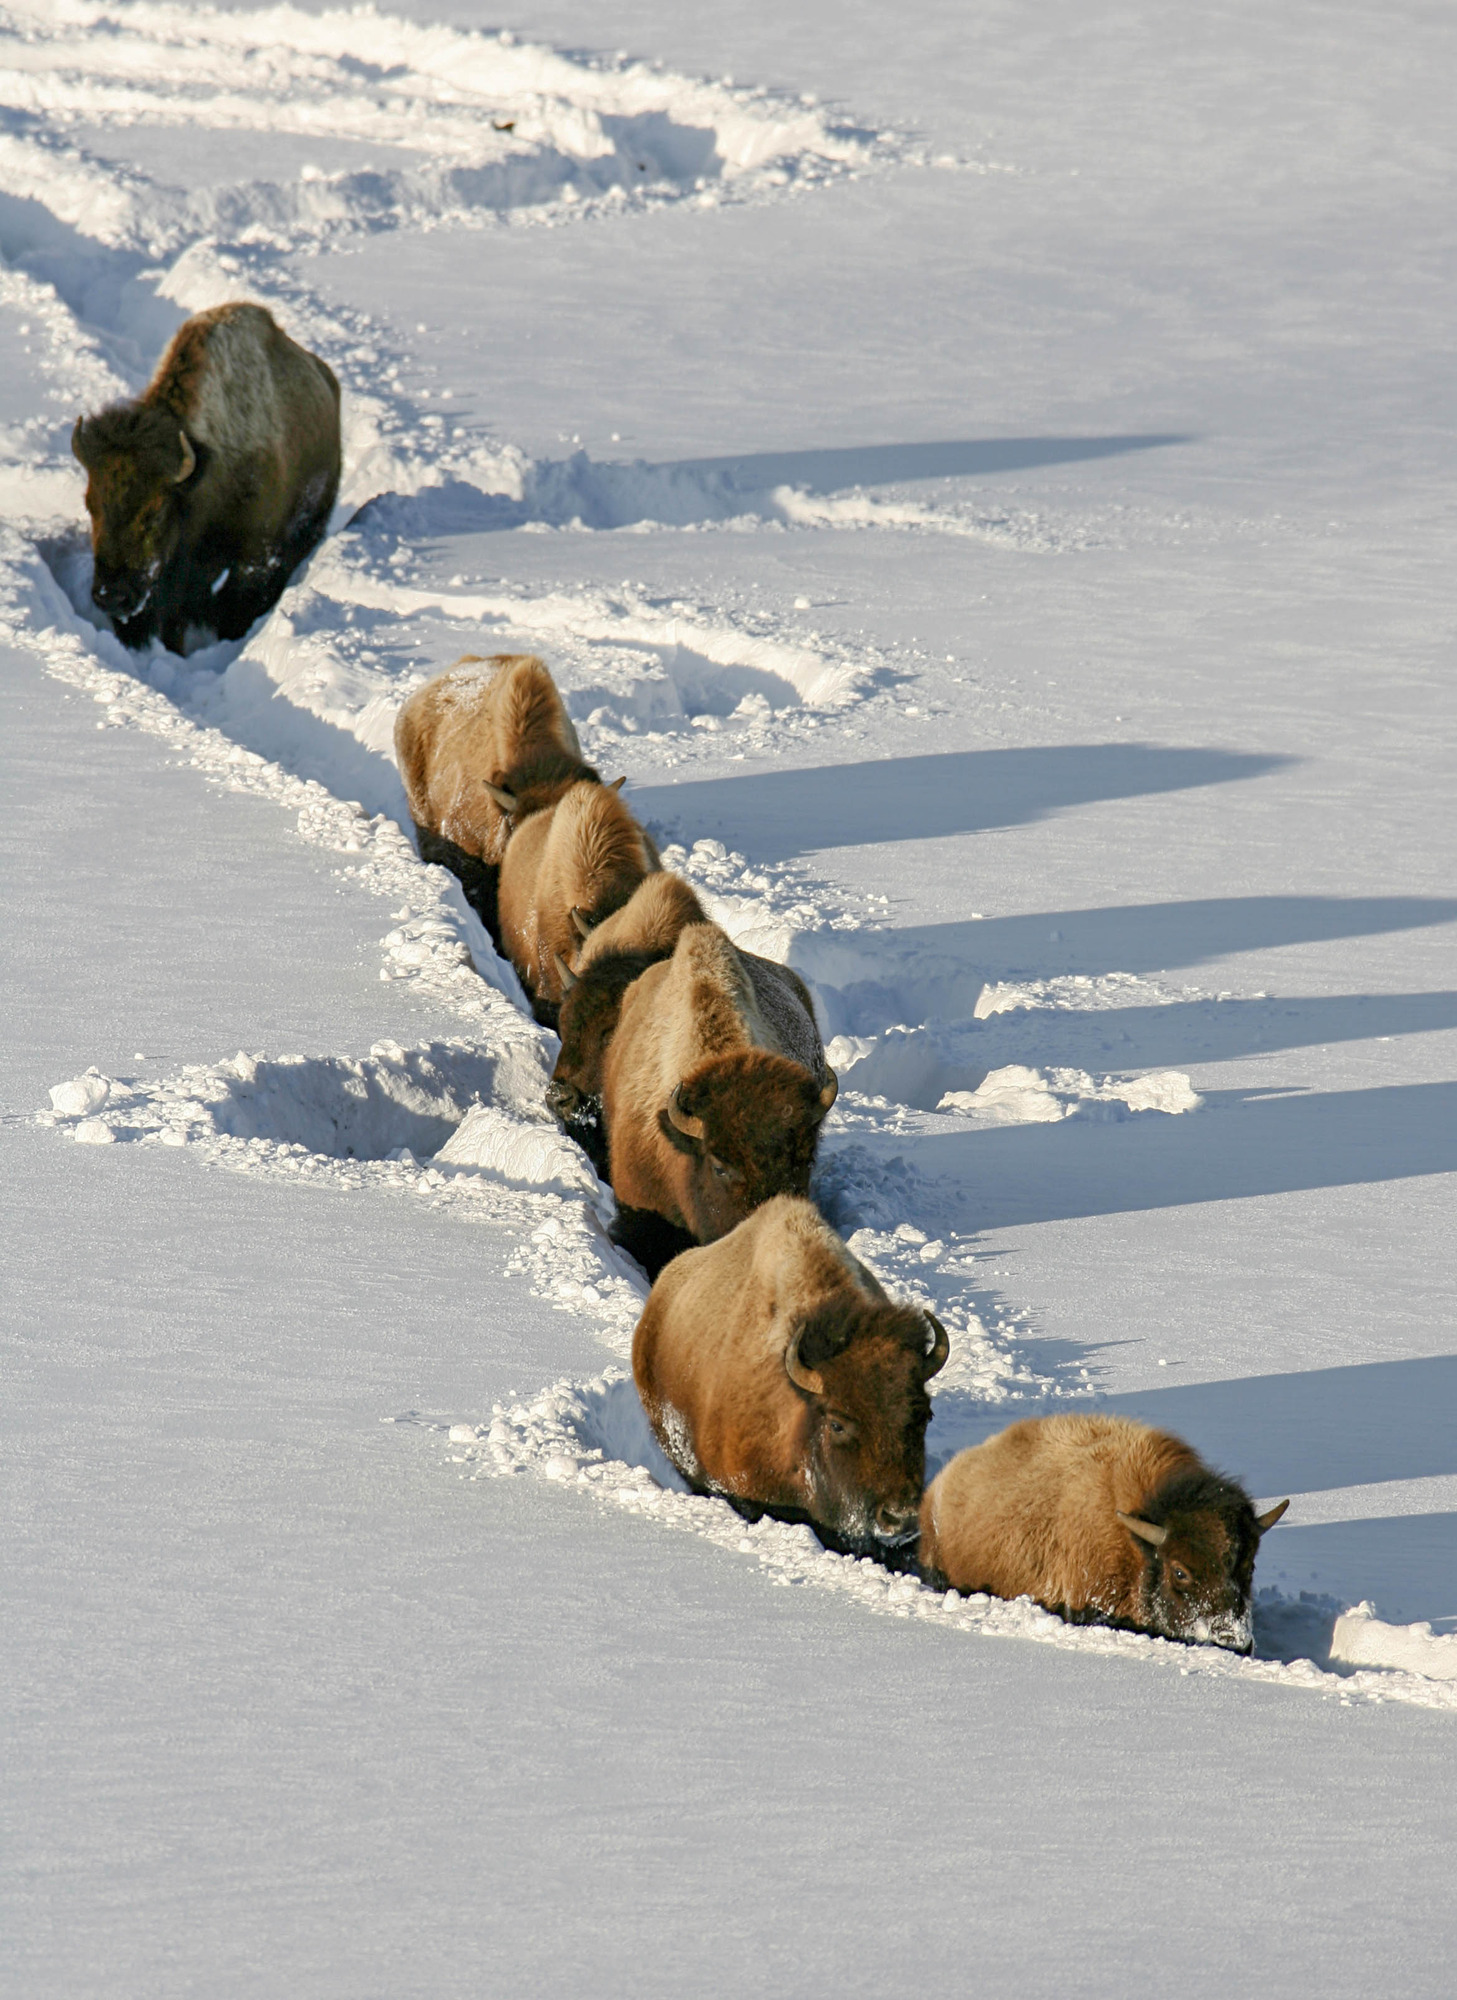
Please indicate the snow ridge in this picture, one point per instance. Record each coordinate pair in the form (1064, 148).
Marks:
(342, 98)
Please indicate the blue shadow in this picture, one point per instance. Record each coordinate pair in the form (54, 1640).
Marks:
(1302, 1433)
(776, 815)
(832, 471)
(1239, 1146)
(1203, 1031)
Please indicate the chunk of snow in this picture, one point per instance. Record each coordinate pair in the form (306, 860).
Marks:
(528, 1154)
(1011, 1096)
(82, 1096)
(94, 1132)
(1361, 1639)
(1169, 1090)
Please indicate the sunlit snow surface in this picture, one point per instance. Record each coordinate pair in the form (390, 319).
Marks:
(110, 241)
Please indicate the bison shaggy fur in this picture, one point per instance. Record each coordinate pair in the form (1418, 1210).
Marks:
(615, 953)
(207, 492)
(711, 1105)
(575, 863)
(481, 748)
(776, 1372)
(1103, 1521)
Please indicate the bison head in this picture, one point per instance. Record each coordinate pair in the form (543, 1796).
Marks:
(137, 459)
(535, 787)
(591, 1006)
(745, 1127)
(863, 1369)
(1199, 1535)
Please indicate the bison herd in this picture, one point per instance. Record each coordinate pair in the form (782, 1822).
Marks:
(773, 1367)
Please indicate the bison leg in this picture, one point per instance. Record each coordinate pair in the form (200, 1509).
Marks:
(650, 1237)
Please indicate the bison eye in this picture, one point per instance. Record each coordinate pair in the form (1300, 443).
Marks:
(839, 1430)
(1181, 1575)
(721, 1171)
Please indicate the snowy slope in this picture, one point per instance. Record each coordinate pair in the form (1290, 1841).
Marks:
(989, 491)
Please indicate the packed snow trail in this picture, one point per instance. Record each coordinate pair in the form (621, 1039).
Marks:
(302, 710)
(1001, 527)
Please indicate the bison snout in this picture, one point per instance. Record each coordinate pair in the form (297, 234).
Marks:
(119, 596)
(564, 1098)
(897, 1524)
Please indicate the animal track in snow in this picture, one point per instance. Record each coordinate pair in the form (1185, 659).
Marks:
(591, 1436)
(372, 122)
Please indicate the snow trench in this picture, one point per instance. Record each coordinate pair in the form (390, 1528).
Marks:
(462, 1125)
(107, 245)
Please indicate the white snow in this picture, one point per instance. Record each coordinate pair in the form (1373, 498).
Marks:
(986, 486)
(1361, 1640)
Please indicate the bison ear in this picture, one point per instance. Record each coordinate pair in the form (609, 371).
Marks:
(1264, 1521)
(939, 1349)
(189, 460)
(505, 801)
(579, 923)
(830, 1092)
(808, 1379)
(564, 973)
(1146, 1531)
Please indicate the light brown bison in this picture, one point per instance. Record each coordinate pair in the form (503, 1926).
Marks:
(712, 1101)
(613, 954)
(207, 492)
(568, 867)
(1103, 1521)
(775, 1371)
(481, 748)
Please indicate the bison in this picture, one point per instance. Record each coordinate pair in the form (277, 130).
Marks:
(481, 748)
(776, 1372)
(563, 870)
(613, 954)
(1103, 1521)
(712, 1099)
(207, 492)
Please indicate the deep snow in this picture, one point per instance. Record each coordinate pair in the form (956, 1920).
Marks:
(1088, 752)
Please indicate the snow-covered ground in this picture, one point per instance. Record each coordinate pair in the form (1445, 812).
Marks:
(986, 479)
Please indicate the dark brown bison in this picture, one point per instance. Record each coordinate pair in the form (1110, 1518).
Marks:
(612, 955)
(207, 492)
(712, 1102)
(775, 1372)
(1103, 1521)
(481, 748)
(568, 867)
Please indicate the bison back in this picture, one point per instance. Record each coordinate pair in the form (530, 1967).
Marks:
(1034, 1512)
(787, 1012)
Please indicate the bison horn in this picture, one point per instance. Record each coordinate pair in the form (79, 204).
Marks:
(681, 1121)
(564, 973)
(189, 460)
(618, 783)
(830, 1092)
(505, 800)
(579, 923)
(1263, 1521)
(804, 1378)
(76, 439)
(940, 1348)
(1146, 1531)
